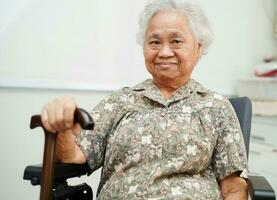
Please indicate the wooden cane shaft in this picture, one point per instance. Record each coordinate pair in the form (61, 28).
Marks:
(47, 176)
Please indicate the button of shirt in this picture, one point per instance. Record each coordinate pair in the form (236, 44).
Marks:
(163, 114)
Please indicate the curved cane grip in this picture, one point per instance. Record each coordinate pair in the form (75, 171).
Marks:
(80, 116)
(83, 118)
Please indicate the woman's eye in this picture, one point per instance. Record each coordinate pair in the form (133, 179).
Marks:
(177, 41)
(154, 42)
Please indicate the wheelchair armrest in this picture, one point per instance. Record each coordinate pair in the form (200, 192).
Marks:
(260, 189)
(63, 171)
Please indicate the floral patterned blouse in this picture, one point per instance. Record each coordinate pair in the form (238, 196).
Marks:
(152, 148)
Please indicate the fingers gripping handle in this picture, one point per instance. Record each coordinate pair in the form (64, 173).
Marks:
(80, 116)
(47, 176)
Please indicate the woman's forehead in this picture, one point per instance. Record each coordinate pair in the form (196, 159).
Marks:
(168, 23)
(169, 33)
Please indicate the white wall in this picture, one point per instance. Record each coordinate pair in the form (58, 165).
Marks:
(243, 36)
(78, 41)
(94, 41)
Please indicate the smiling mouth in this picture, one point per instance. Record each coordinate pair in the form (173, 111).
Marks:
(166, 65)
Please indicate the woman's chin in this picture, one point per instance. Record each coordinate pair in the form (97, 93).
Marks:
(163, 77)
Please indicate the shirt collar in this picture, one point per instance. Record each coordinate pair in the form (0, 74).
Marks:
(150, 90)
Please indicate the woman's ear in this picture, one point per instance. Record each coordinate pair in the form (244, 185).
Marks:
(200, 49)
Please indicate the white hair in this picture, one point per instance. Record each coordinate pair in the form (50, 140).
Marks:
(198, 22)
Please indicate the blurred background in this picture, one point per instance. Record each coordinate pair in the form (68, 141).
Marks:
(87, 49)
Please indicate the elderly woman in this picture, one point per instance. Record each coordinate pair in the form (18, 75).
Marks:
(167, 137)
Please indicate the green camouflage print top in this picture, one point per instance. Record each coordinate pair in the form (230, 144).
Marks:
(152, 148)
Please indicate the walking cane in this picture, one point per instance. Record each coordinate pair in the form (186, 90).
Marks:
(47, 175)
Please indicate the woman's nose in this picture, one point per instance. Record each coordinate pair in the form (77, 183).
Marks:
(165, 52)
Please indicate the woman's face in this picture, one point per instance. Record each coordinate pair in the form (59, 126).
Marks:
(170, 48)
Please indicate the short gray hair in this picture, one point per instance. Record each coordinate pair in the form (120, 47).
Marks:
(197, 20)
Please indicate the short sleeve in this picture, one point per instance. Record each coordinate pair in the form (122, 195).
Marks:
(230, 154)
(93, 143)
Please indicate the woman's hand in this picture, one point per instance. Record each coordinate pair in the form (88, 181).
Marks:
(58, 117)
(234, 187)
